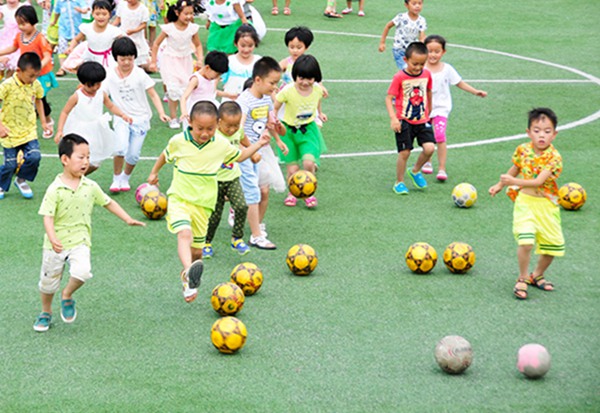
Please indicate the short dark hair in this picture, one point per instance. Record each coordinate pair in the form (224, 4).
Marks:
(264, 66)
(29, 60)
(229, 108)
(123, 46)
(90, 73)
(307, 66)
(246, 30)
(176, 8)
(217, 61)
(204, 107)
(27, 14)
(416, 48)
(437, 39)
(303, 33)
(68, 142)
(540, 113)
(102, 4)
(248, 83)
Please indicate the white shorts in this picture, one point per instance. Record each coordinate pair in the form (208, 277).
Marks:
(53, 266)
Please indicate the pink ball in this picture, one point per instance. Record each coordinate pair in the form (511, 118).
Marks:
(142, 190)
(533, 360)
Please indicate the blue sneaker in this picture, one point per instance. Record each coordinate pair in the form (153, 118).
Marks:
(1, 193)
(418, 179)
(207, 251)
(400, 188)
(42, 322)
(240, 246)
(24, 189)
(68, 313)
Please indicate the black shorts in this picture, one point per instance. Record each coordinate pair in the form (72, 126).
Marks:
(408, 132)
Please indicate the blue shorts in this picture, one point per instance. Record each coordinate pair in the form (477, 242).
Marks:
(249, 180)
(399, 58)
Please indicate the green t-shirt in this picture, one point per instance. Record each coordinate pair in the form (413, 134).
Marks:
(299, 110)
(230, 171)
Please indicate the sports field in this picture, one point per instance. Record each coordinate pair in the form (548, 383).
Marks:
(358, 334)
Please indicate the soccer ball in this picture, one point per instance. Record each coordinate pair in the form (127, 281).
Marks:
(459, 257)
(464, 195)
(572, 196)
(142, 190)
(248, 277)
(453, 354)
(154, 205)
(302, 184)
(227, 298)
(228, 334)
(533, 360)
(421, 257)
(302, 259)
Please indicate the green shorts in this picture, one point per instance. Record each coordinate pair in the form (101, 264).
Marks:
(304, 144)
(183, 215)
(221, 38)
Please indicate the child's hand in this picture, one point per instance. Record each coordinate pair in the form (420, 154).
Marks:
(507, 179)
(165, 118)
(152, 179)
(264, 140)
(4, 131)
(256, 157)
(495, 189)
(47, 129)
(282, 147)
(56, 245)
(323, 117)
(325, 91)
(127, 118)
(481, 93)
(382, 47)
(4, 60)
(185, 118)
(58, 136)
(396, 125)
(152, 67)
(133, 222)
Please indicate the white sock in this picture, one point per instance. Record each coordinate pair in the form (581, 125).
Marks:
(124, 177)
(116, 178)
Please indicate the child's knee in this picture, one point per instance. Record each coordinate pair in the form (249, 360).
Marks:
(33, 157)
(428, 149)
(49, 283)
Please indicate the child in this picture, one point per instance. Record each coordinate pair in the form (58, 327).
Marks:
(410, 27)
(297, 39)
(100, 35)
(240, 64)
(411, 89)
(68, 15)
(18, 131)
(67, 210)
(82, 114)
(225, 17)
(228, 177)
(31, 40)
(443, 75)
(133, 18)
(256, 105)
(8, 64)
(153, 13)
(203, 83)
(302, 104)
(330, 10)
(361, 8)
(286, 10)
(127, 85)
(176, 64)
(536, 217)
(193, 190)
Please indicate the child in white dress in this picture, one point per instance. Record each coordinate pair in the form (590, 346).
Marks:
(132, 18)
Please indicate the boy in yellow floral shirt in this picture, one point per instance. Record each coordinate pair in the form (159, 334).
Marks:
(536, 217)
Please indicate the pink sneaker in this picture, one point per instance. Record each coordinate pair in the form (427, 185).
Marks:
(427, 168)
(442, 176)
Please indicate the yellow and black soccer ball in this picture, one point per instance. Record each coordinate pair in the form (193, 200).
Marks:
(421, 257)
(464, 195)
(302, 259)
(227, 298)
(228, 334)
(459, 257)
(248, 277)
(302, 184)
(154, 205)
(571, 196)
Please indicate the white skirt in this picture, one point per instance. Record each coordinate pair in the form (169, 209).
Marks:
(98, 133)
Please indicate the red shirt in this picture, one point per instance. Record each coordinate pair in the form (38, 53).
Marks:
(38, 45)
(411, 96)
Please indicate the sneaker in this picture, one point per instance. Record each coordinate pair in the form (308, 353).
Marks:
(263, 229)
(115, 187)
(238, 244)
(125, 186)
(174, 124)
(68, 313)
(1, 193)
(207, 251)
(24, 189)
(347, 10)
(418, 179)
(42, 322)
(427, 168)
(231, 217)
(400, 188)
(194, 273)
(262, 243)
(189, 294)
(361, 14)
(442, 176)
(165, 99)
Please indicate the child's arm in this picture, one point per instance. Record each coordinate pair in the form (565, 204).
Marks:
(116, 209)
(157, 104)
(468, 88)
(513, 172)
(115, 110)
(117, 21)
(76, 40)
(9, 50)
(394, 121)
(429, 101)
(49, 227)
(322, 116)
(199, 51)
(160, 162)
(64, 114)
(46, 57)
(54, 19)
(422, 36)
(185, 115)
(247, 152)
(244, 143)
(510, 179)
(152, 66)
(141, 27)
(386, 30)
(222, 93)
(240, 13)
(283, 64)
(39, 107)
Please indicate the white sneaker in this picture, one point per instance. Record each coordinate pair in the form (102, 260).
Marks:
(125, 185)
(262, 243)
(174, 124)
(231, 217)
(189, 294)
(263, 230)
(427, 168)
(115, 186)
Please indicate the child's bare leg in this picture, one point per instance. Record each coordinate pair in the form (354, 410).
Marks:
(263, 204)
(90, 169)
(184, 247)
(524, 256)
(442, 151)
(129, 168)
(151, 35)
(309, 166)
(401, 165)
(361, 5)
(118, 162)
(428, 149)
(196, 253)
(291, 168)
(73, 285)
(543, 263)
(254, 220)
(47, 302)
(173, 108)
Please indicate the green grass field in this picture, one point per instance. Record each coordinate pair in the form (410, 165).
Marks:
(358, 334)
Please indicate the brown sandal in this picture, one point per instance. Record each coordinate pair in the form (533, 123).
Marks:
(540, 282)
(520, 290)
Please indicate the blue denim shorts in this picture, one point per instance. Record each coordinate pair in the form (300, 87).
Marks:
(399, 58)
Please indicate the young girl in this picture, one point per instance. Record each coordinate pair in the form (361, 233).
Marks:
(8, 64)
(68, 14)
(99, 35)
(31, 40)
(83, 115)
(443, 76)
(303, 138)
(240, 64)
(225, 16)
(133, 17)
(176, 64)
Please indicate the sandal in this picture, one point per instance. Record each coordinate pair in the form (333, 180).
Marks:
(311, 202)
(275, 11)
(60, 73)
(332, 15)
(49, 134)
(540, 282)
(520, 290)
(290, 200)
(287, 11)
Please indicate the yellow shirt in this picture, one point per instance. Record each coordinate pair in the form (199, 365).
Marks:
(72, 211)
(299, 110)
(531, 165)
(196, 166)
(18, 110)
(230, 171)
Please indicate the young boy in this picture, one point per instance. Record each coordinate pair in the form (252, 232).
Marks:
(536, 217)
(67, 210)
(197, 155)
(410, 27)
(68, 14)
(256, 105)
(128, 86)
(411, 89)
(18, 130)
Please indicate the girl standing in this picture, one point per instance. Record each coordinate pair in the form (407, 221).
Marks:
(241, 63)
(133, 17)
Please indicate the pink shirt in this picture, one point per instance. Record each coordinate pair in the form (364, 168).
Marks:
(411, 96)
